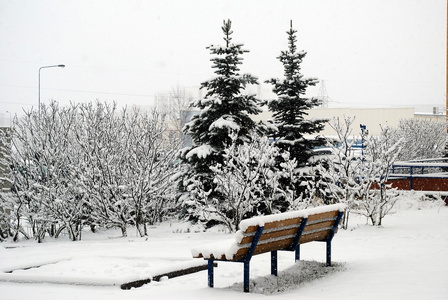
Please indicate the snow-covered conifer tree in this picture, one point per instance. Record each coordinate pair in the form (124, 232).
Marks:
(290, 108)
(293, 131)
(224, 111)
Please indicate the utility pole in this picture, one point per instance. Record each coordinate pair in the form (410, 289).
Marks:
(323, 95)
(446, 87)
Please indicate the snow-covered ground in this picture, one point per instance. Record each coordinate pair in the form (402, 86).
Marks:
(407, 258)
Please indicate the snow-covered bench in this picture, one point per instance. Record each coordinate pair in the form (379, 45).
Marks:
(285, 231)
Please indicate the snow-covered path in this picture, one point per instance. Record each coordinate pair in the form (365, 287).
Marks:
(405, 259)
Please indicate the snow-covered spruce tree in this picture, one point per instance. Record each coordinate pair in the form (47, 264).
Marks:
(224, 111)
(290, 108)
(294, 131)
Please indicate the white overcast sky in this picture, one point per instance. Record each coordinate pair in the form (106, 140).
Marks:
(370, 53)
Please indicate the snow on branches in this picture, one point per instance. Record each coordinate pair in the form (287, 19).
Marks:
(88, 165)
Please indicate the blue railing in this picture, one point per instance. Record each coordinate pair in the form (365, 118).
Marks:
(421, 169)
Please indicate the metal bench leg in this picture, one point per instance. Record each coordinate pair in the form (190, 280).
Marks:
(328, 253)
(210, 273)
(298, 252)
(274, 263)
(333, 231)
(246, 276)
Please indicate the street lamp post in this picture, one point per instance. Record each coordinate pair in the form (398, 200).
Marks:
(44, 67)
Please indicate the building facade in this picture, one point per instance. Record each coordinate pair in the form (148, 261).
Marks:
(372, 118)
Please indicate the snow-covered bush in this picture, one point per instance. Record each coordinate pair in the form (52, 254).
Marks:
(40, 172)
(150, 162)
(104, 143)
(360, 181)
(248, 182)
(128, 160)
(86, 164)
(337, 172)
(376, 198)
(421, 139)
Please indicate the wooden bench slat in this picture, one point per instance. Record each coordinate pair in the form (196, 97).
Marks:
(278, 245)
(318, 226)
(317, 230)
(262, 248)
(318, 236)
(275, 224)
(272, 234)
(330, 214)
(286, 222)
(290, 230)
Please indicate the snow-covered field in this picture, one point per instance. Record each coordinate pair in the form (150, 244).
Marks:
(407, 258)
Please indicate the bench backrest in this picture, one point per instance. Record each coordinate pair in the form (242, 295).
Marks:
(283, 234)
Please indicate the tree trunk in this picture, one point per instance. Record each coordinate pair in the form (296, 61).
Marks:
(141, 228)
(58, 232)
(124, 231)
